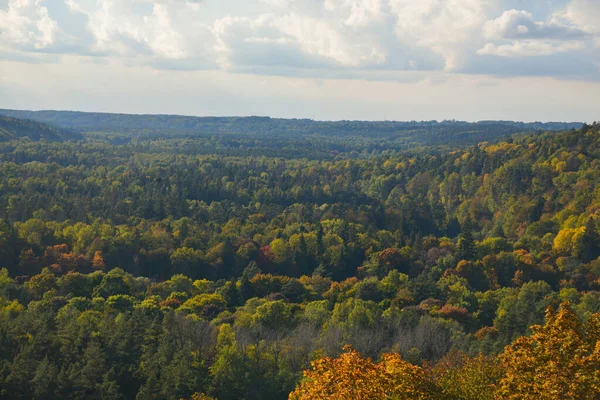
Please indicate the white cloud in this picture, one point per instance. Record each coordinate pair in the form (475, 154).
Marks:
(295, 39)
(320, 38)
(27, 25)
(448, 27)
(355, 13)
(118, 27)
(152, 29)
(162, 38)
(517, 34)
(584, 14)
(520, 24)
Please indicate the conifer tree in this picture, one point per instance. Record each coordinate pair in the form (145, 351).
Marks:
(589, 248)
(466, 244)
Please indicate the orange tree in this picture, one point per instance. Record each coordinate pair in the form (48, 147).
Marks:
(352, 376)
(560, 360)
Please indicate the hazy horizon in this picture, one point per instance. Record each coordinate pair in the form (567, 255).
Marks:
(293, 118)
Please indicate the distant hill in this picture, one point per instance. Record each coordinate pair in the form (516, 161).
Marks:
(409, 133)
(16, 128)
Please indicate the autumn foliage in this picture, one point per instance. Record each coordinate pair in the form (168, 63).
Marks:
(560, 360)
(351, 376)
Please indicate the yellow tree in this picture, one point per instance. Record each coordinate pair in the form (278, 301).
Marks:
(201, 396)
(468, 378)
(566, 240)
(352, 376)
(406, 381)
(560, 360)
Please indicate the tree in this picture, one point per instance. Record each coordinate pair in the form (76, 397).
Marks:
(566, 241)
(188, 261)
(201, 396)
(98, 261)
(589, 246)
(45, 380)
(560, 360)
(320, 245)
(245, 288)
(42, 283)
(351, 376)
(467, 378)
(229, 371)
(466, 246)
(230, 293)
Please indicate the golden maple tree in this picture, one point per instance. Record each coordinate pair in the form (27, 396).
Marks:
(352, 376)
(560, 360)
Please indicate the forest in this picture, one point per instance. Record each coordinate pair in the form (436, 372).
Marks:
(385, 135)
(261, 259)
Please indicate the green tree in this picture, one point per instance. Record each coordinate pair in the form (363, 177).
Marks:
(589, 247)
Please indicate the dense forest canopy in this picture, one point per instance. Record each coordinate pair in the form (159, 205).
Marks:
(14, 128)
(391, 133)
(169, 264)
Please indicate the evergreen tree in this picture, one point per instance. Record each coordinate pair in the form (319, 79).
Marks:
(466, 246)
(231, 293)
(589, 248)
(320, 244)
(44, 383)
(245, 288)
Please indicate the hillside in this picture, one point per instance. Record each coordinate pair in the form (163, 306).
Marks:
(411, 133)
(15, 128)
(179, 266)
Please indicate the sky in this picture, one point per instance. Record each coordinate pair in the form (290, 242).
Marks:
(528, 60)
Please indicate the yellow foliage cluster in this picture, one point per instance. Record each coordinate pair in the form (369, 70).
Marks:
(567, 239)
(352, 376)
(201, 396)
(501, 148)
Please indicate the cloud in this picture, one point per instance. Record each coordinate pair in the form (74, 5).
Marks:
(520, 24)
(26, 25)
(584, 14)
(517, 34)
(357, 14)
(129, 29)
(318, 38)
(450, 28)
(295, 39)
(162, 38)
